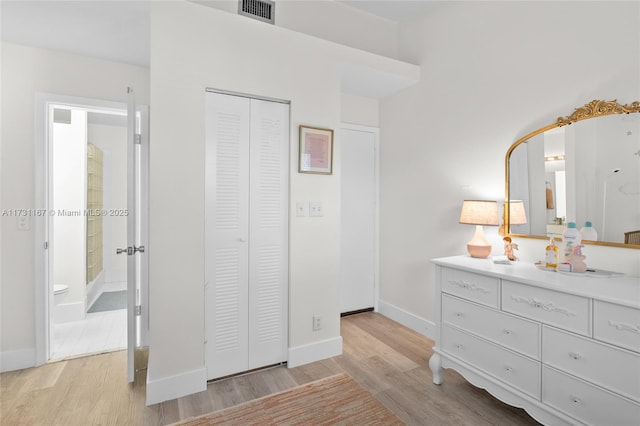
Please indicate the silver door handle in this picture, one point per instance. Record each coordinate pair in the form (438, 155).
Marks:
(130, 250)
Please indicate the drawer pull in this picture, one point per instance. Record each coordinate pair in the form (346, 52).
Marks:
(574, 355)
(459, 346)
(458, 314)
(575, 399)
(547, 306)
(624, 327)
(507, 331)
(469, 286)
(508, 369)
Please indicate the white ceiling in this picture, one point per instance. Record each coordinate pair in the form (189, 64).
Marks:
(119, 30)
(395, 10)
(108, 29)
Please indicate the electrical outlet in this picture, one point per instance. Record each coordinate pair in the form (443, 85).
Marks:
(317, 322)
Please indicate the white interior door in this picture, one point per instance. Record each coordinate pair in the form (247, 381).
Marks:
(246, 233)
(358, 206)
(227, 233)
(268, 230)
(131, 249)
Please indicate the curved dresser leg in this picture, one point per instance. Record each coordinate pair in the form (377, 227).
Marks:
(435, 363)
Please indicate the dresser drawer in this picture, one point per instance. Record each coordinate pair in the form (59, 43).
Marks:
(616, 324)
(606, 366)
(550, 307)
(479, 288)
(507, 330)
(516, 370)
(585, 402)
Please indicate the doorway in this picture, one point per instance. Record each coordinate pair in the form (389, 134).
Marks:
(359, 218)
(82, 294)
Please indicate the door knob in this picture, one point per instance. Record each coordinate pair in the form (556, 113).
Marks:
(130, 250)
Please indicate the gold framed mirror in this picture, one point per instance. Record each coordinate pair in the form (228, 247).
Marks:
(585, 167)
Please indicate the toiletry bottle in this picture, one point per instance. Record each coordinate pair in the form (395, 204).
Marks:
(551, 255)
(588, 232)
(570, 238)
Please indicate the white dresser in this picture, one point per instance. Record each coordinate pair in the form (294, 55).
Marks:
(563, 346)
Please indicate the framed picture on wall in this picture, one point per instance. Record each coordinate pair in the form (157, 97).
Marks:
(316, 150)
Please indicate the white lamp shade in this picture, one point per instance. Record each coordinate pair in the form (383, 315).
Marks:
(479, 212)
(517, 214)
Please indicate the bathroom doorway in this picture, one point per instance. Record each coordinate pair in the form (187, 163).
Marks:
(85, 275)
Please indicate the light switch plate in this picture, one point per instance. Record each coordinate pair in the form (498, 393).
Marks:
(315, 209)
(24, 223)
(302, 209)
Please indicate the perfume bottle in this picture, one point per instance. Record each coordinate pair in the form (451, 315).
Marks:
(551, 255)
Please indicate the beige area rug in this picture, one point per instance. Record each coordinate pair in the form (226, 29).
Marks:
(335, 400)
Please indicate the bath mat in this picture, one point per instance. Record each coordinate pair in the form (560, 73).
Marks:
(335, 400)
(109, 301)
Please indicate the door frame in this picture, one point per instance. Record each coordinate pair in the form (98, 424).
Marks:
(43, 301)
(376, 183)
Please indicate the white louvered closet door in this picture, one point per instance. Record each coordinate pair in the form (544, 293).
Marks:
(246, 223)
(268, 224)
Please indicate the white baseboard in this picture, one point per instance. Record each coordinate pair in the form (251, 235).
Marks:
(414, 322)
(172, 387)
(315, 351)
(17, 360)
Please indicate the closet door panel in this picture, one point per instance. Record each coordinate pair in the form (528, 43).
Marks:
(226, 230)
(268, 229)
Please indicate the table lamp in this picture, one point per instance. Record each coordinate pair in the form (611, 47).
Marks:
(517, 214)
(479, 213)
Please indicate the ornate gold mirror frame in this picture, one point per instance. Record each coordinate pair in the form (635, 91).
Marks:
(595, 108)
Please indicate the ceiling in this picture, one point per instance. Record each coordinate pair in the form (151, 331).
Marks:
(119, 30)
(395, 10)
(107, 29)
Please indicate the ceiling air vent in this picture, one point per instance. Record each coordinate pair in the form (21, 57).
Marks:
(262, 10)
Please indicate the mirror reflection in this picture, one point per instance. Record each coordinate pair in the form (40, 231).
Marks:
(585, 168)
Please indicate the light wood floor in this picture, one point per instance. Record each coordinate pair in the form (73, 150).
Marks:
(383, 356)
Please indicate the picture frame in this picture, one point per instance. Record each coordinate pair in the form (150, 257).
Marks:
(316, 150)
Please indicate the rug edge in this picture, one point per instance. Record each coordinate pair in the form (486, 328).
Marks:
(318, 381)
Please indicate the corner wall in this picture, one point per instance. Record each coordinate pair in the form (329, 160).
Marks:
(194, 48)
(491, 73)
(25, 71)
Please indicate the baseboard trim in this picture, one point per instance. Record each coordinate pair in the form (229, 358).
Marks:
(316, 351)
(414, 322)
(172, 387)
(17, 360)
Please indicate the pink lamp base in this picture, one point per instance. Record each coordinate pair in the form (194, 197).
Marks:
(479, 251)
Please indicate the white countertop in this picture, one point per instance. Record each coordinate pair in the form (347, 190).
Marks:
(615, 288)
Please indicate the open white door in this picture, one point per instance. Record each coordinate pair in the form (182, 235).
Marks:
(131, 249)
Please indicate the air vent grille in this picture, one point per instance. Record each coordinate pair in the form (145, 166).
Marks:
(262, 10)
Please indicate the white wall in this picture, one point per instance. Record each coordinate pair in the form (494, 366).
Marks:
(112, 140)
(195, 47)
(359, 110)
(330, 20)
(26, 71)
(491, 73)
(69, 177)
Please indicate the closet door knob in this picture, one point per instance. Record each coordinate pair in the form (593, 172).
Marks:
(242, 240)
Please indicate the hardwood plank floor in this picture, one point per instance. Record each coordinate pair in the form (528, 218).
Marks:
(390, 360)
